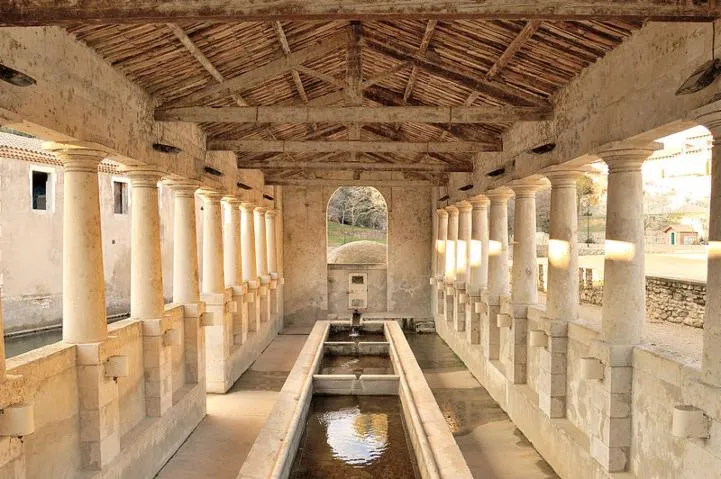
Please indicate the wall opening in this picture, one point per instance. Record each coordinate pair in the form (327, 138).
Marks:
(120, 197)
(357, 226)
(41, 188)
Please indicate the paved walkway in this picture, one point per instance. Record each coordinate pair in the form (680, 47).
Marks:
(220, 444)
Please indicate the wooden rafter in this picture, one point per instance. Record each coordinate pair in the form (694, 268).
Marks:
(351, 146)
(526, 33)
(354, 76)
(422, 50)
(283, 40)
(54, 12)
(433, 180)
(264, 73)
(271, 165)
(502, 92)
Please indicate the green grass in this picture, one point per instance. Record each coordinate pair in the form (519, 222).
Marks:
(339, 235)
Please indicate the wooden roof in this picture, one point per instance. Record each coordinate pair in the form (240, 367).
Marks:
(453, 63)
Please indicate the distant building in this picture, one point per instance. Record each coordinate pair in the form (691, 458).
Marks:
(681, 235)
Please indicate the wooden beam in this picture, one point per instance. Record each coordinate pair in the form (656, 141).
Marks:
(354, 76)
(264, 73)
(331, 80)
(405, 183)
(448, 115)
(422, 50)
(348, 165)
(283, 40)
(292, 146)
(526, 33)
(384, 75)
(60, 12)
(506, 93)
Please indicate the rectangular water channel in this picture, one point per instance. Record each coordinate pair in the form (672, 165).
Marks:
(355, 406)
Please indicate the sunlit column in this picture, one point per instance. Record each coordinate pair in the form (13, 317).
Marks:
(186, 283)
(232, 267)
(440, 247)
(479, 245)
(450, 267)
(624, 290)
(146, 272)
(250, 273)
(460, 308)
(525, 270)
(213, 280)
(711, 360)
(84, 316)
(261, 258)
(497, 269)
(2, 344)
(270, 219)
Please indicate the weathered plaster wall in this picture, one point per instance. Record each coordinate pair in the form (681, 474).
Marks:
(305, 256)
(338, 275)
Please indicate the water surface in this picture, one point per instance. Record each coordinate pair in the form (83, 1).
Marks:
(360, 364)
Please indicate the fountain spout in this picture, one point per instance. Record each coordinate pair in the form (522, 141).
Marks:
(355, 324)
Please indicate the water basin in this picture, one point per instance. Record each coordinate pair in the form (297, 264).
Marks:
(354, 437)
(355, 364)
(344, 335)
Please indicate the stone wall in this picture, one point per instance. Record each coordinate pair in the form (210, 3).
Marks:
(667, 299)
(307, 277)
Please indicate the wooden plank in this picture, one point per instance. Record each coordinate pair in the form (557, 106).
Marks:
(454, 73)
(264, 73)
(293, 146)
(58, 12)
(526, 33)
(358, 114)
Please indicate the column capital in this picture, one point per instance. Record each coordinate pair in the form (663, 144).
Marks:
(231, 200)
(182, 188)
(76, 157)
(464, 206)
(480, 202)
(500, 195)
(452, 210)
(209, 195)
(143, 176)
(710, 117)
(271, 212)
(627, 156)
(247, 206)
(260, 210)
(441, 212)
(565, 177)
(527, 187)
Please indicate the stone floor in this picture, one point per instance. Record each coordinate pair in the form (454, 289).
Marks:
(492, 445)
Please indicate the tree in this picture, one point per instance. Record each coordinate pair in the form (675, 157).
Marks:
(361, 206)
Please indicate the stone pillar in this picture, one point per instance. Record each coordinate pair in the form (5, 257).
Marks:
(3, 369)
(217, 320)
(624, 304)
(186, 281)
(232, 266)
(250, 273)
(146, 288)
(272, 254)
(440, 248)
(450, 266)
(562, 297)
(463, 244)
(261, 263)
(434, 250)
(711, 359)
(478, 255)
(84, 316)
(497, 268)
(523, 278)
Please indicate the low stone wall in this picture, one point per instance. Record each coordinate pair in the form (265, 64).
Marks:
(667, 299)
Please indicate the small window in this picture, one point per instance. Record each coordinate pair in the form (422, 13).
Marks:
(357, 280)
(120, 198)
(41, 190)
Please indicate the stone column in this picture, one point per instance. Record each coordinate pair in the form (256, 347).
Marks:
(232, 266)
(450, 266)
(523, 280)
(710, 117)
(497, 268)
(261, 262)
(84, 316)
(3, 369)
(146, 288)
(250, 273)
(434, 250)
(462, 266)
(562, 297)
(478, 255)
(186, 281)
(272, 254)
(218, 320)
(440, 247)
(624, 304)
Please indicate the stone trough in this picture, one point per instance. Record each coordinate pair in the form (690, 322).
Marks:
(429, 442)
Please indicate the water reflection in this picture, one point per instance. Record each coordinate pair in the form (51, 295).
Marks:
(354, 437)
(22, 344)
(361, 364)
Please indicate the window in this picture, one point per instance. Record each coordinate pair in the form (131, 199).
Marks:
(120, 197)
(41, 189)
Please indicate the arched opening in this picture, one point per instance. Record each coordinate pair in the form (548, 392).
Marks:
(357, 250)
